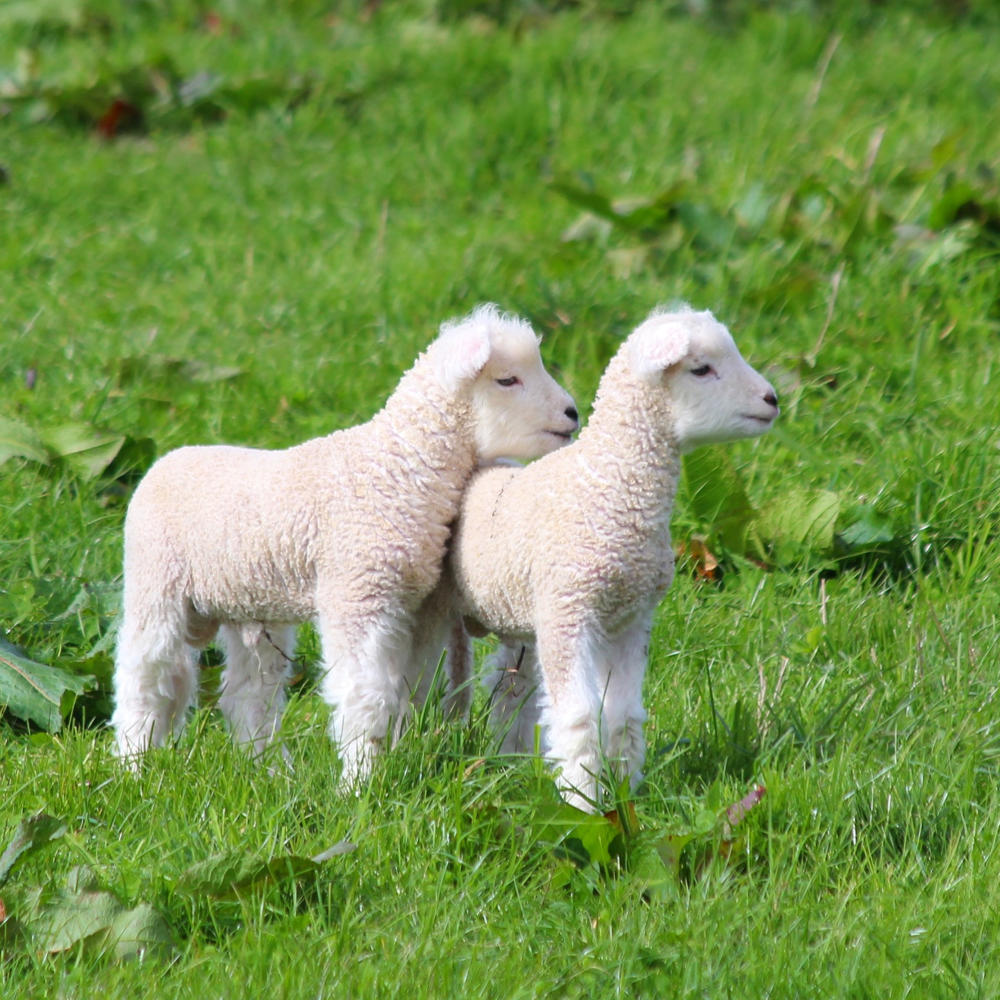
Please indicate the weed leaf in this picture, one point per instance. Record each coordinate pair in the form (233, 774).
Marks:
(866, 528)
(87, 450)
(718, 498)
(586, 837)
(81, 915)
(800, 522)
(161, 367)
(228, 875)
(19, 441)
(36, 692)
(32, 834)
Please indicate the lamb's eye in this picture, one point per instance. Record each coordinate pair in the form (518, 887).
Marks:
(702, 370)
(509, 380)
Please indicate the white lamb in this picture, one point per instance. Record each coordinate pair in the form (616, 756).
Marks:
(349, 530)
(573, 552)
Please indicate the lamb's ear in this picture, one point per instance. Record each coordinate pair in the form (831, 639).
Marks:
(461, 351)
(659, 343)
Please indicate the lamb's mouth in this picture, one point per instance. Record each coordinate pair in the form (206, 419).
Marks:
(766, 421)
(565, 435)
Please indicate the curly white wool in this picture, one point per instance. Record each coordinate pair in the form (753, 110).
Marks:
(348, 530)
(573, 553)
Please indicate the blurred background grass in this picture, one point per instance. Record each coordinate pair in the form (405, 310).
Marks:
(241, 221)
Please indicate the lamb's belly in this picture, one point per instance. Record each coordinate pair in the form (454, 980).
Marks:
(505, 617)
(253, 599)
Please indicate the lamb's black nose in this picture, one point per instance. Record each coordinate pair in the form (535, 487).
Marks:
(572, 414)
(771, 399)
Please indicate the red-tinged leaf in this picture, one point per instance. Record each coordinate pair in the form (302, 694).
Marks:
(736, 812)
(212, 23)
(706, 565)
(624, 818)
(670, 849)
(121, 116)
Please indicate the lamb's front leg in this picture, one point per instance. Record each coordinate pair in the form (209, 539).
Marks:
(364, 683)
(624, 715)
(571, 712)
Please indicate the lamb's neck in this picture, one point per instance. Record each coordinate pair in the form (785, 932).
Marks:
(427, 429)
(630, 438)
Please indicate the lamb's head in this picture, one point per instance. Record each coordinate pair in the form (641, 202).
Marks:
(493, 361)
(714, 395)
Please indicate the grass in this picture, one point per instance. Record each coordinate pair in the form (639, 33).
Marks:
(827, 186)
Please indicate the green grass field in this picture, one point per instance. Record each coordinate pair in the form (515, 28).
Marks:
(240, 222)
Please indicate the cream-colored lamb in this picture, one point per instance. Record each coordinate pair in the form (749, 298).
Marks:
(574, 552)
(348, 530)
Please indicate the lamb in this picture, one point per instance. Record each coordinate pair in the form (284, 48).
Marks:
(348, 530)
(573, 552)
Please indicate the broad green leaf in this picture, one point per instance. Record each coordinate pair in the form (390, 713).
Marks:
(19, 441)
(37, 692)
(99, 922)
(161, 367)
(31, 835)
(71, 918)
(650, 215)
(225, 876)
(644, 216)
(138, 932)
(593, 201)
(718, 498)
(655, 870)
(670, 848)
(86, 449)
(565, 825)
(800, 521)
(866, 528)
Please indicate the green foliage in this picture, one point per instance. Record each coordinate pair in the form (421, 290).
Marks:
(86, 450)
(37, 692)
(239, 222)
(31, 834)
(83, 917)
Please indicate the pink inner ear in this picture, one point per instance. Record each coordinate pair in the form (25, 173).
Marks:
(462, 356)
(477, 353)
(656, 346)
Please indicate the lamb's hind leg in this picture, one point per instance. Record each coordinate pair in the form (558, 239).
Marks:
(155, 683)
(252, 697)
(512, 686)
(364, 683)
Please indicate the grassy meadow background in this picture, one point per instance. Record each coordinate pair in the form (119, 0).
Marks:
(240, 222)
